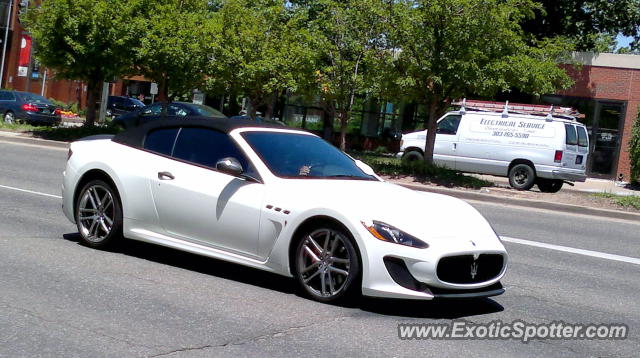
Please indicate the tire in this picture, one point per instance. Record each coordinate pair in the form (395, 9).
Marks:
(413, 156)
(98, 214)
(9, 117)
(335, 275)
(549, 185)
(522, 177)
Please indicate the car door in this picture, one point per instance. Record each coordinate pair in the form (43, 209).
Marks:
(196, 202)
(444, 151)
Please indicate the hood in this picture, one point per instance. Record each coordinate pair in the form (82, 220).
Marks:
(430, 217)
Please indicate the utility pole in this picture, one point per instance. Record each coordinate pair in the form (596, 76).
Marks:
(4, 43)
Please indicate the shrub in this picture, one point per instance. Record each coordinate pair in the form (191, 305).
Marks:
(634, 150)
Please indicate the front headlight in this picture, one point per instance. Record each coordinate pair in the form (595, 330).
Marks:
(388, 233)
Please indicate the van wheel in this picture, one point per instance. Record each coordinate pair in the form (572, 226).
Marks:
(549, 185)
(522, 177)
(412, 156)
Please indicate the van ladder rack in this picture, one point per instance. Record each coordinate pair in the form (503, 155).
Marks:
(520, 108)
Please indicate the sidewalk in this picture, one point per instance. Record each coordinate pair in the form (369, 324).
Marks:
(592, 185)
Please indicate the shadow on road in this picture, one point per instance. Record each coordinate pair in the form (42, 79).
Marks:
(438, 309)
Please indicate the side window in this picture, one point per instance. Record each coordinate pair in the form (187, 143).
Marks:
(161, 140)
(583, 140)
(206, 147)
(11, 96)
(449, 125)
(152, 110)
(4, 96)
(572, 136)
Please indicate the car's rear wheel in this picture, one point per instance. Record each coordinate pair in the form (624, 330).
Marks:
(99, 214)
(549, 185)
(327, 265)
(9, 117)
(522, 177)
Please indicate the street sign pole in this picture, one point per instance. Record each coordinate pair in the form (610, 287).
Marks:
(103, 102)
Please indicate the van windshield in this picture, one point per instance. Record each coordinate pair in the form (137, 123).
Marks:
(572, 136)
(583, 140)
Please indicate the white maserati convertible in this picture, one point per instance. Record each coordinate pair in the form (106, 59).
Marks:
(280, 200)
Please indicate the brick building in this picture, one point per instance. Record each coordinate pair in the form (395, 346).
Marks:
(607, 91)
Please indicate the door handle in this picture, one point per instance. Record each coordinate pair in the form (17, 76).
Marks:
(165, 176)
(455, 146)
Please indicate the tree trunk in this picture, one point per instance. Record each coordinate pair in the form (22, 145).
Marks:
(234, 107)
(344, 119)
(431, 130)
(253, 108)
(92, 97)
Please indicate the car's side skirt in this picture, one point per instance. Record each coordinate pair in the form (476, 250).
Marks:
(183, 245)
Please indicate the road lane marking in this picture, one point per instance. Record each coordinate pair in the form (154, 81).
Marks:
(31, 192)
(601, 255)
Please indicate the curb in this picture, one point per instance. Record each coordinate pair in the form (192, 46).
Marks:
(16, 137)
(537, 204)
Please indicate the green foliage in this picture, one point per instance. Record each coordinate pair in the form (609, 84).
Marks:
(631, 201)
(86, 40)
(587, 23)
(173, 38)
(260, 48)
(634, 151)
(347, 35)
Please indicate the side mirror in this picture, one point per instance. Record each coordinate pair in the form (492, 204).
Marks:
(365, 167)
(229, 165)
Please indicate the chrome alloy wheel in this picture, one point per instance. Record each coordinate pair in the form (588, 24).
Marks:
(96, 212)
(324, 263)
(9, 118)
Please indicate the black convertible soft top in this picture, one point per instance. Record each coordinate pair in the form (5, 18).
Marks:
(134, 137)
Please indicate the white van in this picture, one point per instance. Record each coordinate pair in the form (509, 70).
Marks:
(529, 148)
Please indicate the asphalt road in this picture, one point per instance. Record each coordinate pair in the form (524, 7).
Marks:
(61, 299)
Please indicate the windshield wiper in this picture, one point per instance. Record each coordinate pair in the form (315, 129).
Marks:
(346, 176)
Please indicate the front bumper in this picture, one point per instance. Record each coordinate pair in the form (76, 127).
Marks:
(396, 271)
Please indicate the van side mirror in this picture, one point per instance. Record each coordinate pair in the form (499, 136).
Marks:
(229, 165)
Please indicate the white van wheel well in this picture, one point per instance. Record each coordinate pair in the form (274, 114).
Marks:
(522, 161)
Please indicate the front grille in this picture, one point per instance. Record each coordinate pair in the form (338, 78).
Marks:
(464, 269)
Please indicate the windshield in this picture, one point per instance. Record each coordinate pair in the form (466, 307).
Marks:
(34, 98)
(136, 102)
(205, 111)
(301, 156)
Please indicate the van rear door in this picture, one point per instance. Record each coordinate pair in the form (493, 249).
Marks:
(571, 158)
(583, 146)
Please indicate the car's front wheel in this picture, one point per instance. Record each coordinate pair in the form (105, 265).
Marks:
(327, 265)
(99, 214)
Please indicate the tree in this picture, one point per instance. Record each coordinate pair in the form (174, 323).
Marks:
(585, 22)
(174, 39)
(85, 40)
(262, 50)
(448, 49)
(347, 34)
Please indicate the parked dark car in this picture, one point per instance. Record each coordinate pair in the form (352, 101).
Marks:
(28, 107)
(174, 109)
(118, 105)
